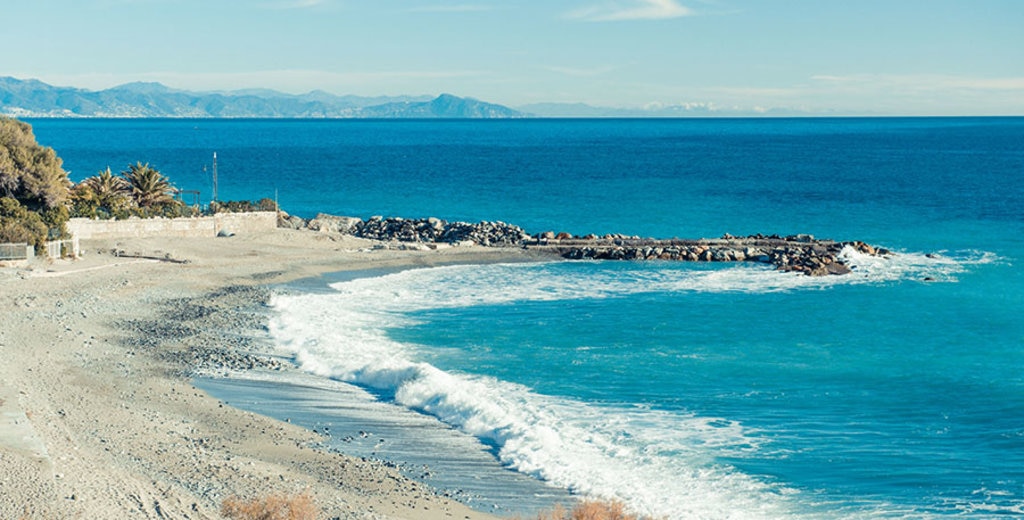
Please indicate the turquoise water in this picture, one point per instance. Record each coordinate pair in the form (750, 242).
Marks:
(692, 391)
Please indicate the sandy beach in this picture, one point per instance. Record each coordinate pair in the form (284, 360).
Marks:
(99, 419)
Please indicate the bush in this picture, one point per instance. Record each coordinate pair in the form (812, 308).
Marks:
(18, 224)
(590, 510)
(243, 206)
(272, 507)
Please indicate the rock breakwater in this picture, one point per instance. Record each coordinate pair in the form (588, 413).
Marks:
(794, 253)
(424, 230)
(799, 253)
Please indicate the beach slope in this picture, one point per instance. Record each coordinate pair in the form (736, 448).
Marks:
(99, 420)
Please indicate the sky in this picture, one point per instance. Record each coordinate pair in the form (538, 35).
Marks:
(842, 57)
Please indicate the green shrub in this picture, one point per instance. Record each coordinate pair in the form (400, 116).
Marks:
(243, 206)
(18, 224)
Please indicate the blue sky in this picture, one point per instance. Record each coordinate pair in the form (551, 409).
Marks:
(914, 57)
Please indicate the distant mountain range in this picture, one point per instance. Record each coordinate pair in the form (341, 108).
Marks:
(32, 98)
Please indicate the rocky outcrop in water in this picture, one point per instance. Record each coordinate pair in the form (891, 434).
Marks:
(795, 253)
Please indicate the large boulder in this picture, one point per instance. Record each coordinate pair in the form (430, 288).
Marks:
(287, 221)
(333, 224)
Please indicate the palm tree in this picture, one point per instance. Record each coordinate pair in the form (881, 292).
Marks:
(149, 188)
(101, 196)
(110, 192)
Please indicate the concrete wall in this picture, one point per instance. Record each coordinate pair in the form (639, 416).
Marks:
(87, 229)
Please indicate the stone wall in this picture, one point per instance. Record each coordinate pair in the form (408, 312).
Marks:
(255, 222)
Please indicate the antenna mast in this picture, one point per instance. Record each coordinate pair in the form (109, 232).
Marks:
(215, 176)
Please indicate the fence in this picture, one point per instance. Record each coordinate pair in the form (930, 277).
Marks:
(55, 249)
(62, 248)
(16, 252)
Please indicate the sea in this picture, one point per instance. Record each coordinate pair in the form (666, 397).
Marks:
(684, 390)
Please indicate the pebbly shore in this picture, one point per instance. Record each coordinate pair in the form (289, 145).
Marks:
(100, 418)
(800, 253)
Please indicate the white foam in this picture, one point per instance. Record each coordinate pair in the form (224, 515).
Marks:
(659, 463)
(943, 266)
(656, 461)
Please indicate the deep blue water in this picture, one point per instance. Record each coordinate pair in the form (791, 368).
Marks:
(693, 391)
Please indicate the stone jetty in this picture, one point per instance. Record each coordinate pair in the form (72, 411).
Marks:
(426, 230)
(794, 253)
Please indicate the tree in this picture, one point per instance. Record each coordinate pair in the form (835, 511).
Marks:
(33, 186)
(30, 173)
(149, 188)
(109, 190)
(103, 195)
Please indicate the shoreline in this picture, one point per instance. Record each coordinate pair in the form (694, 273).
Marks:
(420, 447)
(100, 421)
(254, 375)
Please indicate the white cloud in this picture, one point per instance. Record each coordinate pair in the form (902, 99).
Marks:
(616, 11)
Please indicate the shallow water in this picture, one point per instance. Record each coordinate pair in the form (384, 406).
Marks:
(354, 422)
(695, 391)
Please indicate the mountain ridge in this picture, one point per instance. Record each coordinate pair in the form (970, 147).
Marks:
(34, 98)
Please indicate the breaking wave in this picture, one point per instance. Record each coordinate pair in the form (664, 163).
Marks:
(660, 463)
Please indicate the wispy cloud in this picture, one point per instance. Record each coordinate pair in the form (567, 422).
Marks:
(616, 11)
(452, 8)
(581, 72)
(921, 82)
(892, 94)
(293, 4)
